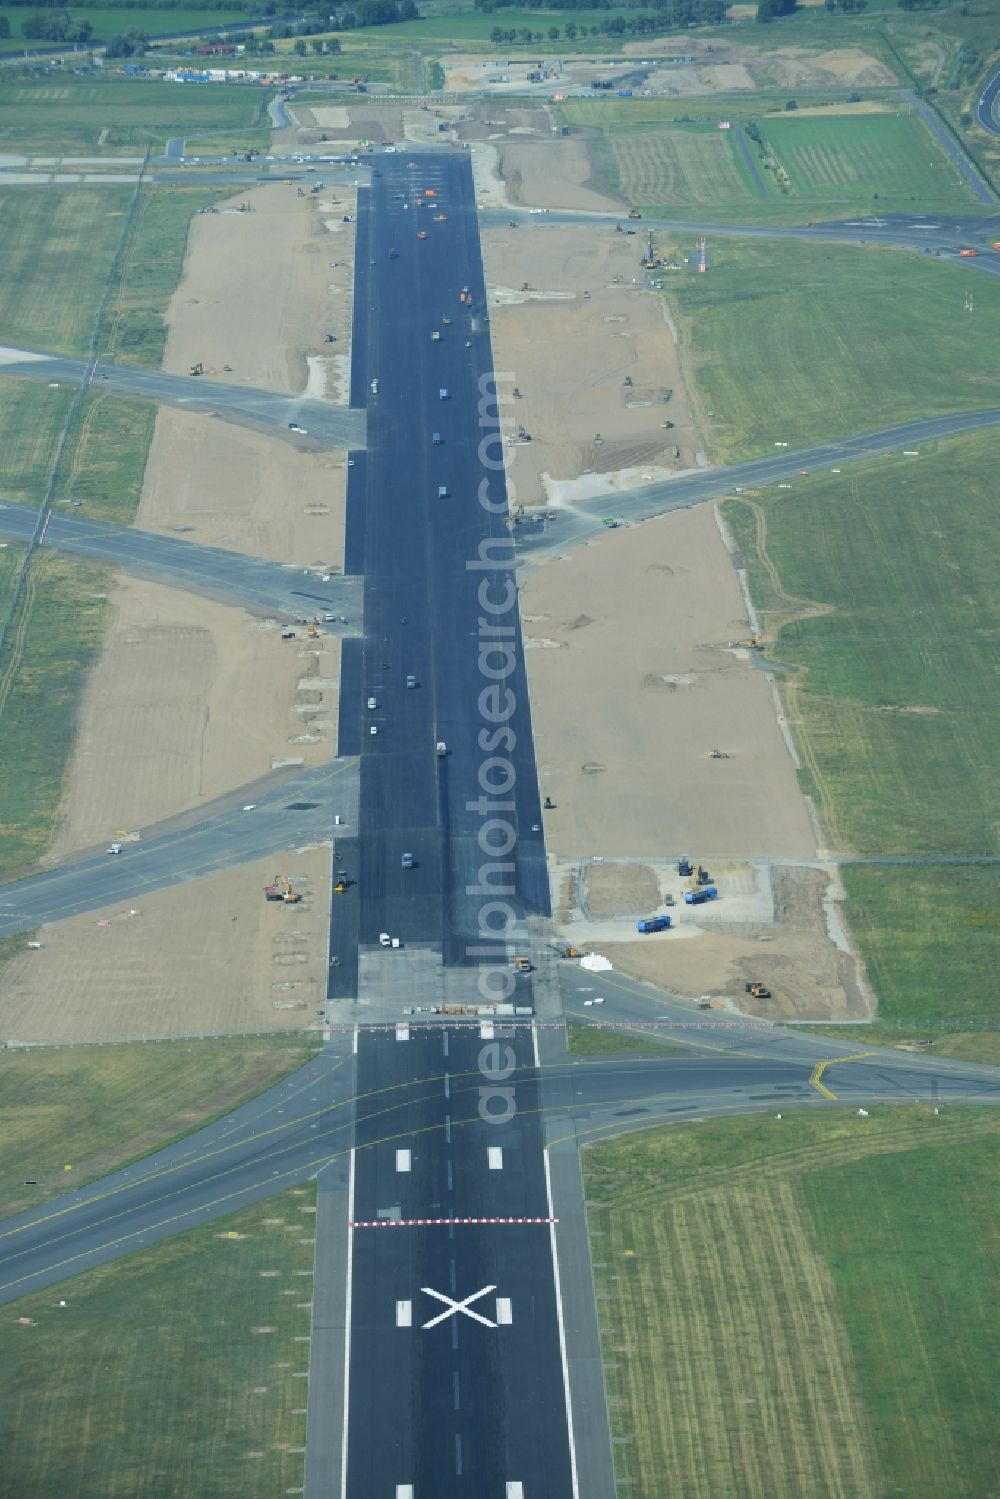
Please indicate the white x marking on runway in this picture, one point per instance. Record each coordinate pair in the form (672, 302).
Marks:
(452, 1306)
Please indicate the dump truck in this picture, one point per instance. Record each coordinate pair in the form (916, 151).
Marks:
(653, 924)
(440, 749)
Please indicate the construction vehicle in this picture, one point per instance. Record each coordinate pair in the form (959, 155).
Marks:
(569, 952)
(526, 286)
(684, 867)
(759, 991)
(421, 234)
(440, 749)
(435, 336)
(968, 254)
(634, 213)
(281, 889)
(523, 965)
(548, 804)
(653, 924)
(702, 876)
(718, 754)
(699, 897)
(328, 338)
(752, 643)
(651, 261)
(197, 369)
(311, 630)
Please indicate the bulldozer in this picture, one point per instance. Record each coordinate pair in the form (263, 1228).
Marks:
(281, 889)
(757, 990)
(311, 630)
(752, 643)
(702, 876)
(197, 369)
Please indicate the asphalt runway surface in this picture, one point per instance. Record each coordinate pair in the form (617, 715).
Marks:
(324, 425)
(398, 1099)
(263, 588)
(440, 601)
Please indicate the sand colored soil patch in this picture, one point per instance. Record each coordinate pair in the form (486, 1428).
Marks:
(228, 487)
(258, 291)
(810, 977)
(207, 958)
(635, 684)
(613, 890)
(569, 345)
(789, 67)
(554, 174)
(188, 700)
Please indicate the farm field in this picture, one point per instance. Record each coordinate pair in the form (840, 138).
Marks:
(175, 1371)
(117, 1103)
(859, 161)
(107, 116)
(751, 1317)
(662, 155)
(804, 342)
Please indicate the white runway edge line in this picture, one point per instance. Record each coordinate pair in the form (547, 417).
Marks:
(562, 1327)
(347, 1311)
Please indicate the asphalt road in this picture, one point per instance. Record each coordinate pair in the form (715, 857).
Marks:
(325, 426)
(942, 235)
(538, 540)
(298, 812)
(262, 588)
(986, 105)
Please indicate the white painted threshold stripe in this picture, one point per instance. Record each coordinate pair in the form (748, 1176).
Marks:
(487, 1031)
(505, 1315)
(402, 1033)
(494, 1156)
(403, 1158)
(515, 1491)
(405, 1491)
(404, 1313)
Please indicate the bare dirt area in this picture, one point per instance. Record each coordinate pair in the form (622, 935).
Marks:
(243, 491)
(187, 700)
(791, 67)
(591, 354)
(233, 308)
(634, 681)
(206, 958)
(554, 173)
(811, 976)
(615, 890)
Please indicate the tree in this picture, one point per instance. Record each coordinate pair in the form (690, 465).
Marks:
(571, 31)
(408, 11)
(299, 48)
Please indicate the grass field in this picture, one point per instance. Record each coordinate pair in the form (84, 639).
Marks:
(931, 939)
(133, 331)
(460, 28)
(803, 342)
(97, 1107)
(749, 1316)
(104, 459)
(179, 1370)
(681, 166)
(58, 630)
(58, 247)
(859, 161)
(92, 116)
(597, 1041)
(667, 154)
(888, 606)
(107, 23)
